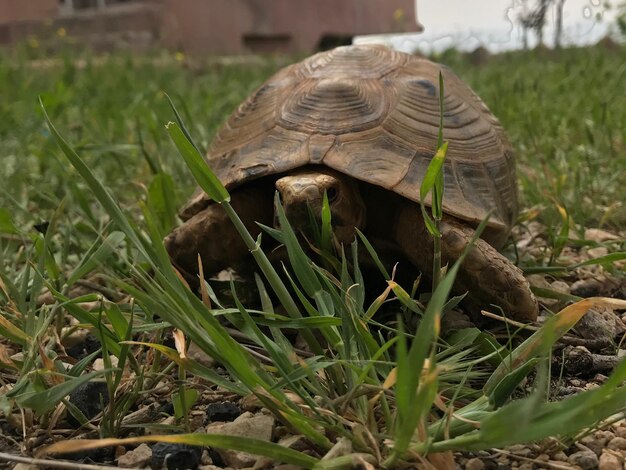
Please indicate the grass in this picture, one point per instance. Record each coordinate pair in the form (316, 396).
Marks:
(108, 203)
(565, 115)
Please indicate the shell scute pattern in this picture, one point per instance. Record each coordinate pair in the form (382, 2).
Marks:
(365, 62)
(377, 157)
(373, 114)
(334, 106)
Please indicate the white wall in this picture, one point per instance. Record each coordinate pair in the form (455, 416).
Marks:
(467, 24)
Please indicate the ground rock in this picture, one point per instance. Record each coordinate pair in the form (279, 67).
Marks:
(296, 442)
(89, 398)
(136, 458)
(99, 364)
(599, 235)
(222, 411)
(521, 450)
(595, 444)
(600, 324)
(617, 443)
(603, 433)
(560, 456)
(620, 431)
(197, 354)
(609, 461)
(454, 321)
(585, 459)
(247, 425)
(587, 288)
(560, 286)
(341, 448)
(474, 464)
(540, 281)
(174, 456)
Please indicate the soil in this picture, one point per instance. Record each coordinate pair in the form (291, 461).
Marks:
(585, 357)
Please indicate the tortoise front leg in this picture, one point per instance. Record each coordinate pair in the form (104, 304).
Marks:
(211, 234)
(487, 276)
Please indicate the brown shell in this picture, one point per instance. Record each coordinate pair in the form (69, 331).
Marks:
(371, 113)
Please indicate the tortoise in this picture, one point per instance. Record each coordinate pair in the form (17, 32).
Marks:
(361, 124)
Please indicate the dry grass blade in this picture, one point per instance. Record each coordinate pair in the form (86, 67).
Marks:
(253, 446)
(543, 339)
(46, 463)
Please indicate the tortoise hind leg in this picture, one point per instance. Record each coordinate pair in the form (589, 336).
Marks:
(487, 276)
(211, 234)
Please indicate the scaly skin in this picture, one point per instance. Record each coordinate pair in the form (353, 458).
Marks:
(303, 188)
(211, 234)
(487, 276)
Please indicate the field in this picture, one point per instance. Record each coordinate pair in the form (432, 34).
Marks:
(565, 113)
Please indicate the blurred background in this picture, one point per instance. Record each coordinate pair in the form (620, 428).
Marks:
(103, 66)
(231, 27)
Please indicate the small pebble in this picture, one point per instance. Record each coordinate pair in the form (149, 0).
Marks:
(617, 443)
(101, 455)
(503, 459)
(597, 252)
(560, 286)
(620, 431)
(136, 458)
(586, 288)
(599, 235)
(81, 349)
(89, 398)
(560, 456)
(175, 456)
(474, 464)
(224, 411)
(595, 444)
(215, 457)
(585, 459)
(605, 434)
(521, 450)
(609, 461)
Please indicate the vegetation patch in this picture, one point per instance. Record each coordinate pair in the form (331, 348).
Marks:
(322, 367)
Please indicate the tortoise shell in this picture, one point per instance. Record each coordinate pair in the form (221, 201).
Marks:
(371, 113)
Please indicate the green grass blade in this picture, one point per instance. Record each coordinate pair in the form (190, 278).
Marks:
(103, 196)
(161, 201)
(44, 400)
(326, 229)
(207, 180)
(242, 444)
(96, 256)
(181, 123)
(298, 260)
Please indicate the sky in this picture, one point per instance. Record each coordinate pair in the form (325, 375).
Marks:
(467, 24)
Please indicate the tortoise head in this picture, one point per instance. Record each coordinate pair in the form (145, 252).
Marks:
(305, 188)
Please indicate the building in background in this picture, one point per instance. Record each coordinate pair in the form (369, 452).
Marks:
(208, 26)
